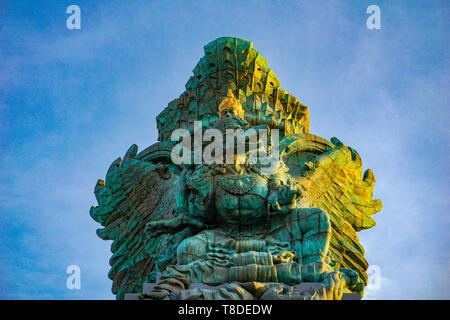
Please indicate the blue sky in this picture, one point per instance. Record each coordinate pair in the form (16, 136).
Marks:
(72, 101)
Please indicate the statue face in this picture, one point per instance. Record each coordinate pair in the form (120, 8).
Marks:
(229, 119)
(228, 113)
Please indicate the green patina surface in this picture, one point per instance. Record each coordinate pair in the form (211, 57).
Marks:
(232, 63)
(258, 233)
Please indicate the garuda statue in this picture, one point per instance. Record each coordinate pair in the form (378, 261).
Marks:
(247, 227)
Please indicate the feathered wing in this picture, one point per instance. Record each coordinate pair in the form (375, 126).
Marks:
(330, 177)
(137, 190)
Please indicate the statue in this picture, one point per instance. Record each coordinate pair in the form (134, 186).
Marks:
(248, 227)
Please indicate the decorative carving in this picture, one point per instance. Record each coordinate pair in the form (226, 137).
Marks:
(243, 232)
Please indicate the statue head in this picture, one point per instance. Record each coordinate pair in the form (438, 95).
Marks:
(231, 114)
(230, 106)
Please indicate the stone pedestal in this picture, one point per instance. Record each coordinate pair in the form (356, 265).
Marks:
(147, 287)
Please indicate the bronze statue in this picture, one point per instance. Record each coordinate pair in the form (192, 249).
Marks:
(239, 227)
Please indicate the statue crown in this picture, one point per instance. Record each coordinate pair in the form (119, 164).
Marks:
(230, 102)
